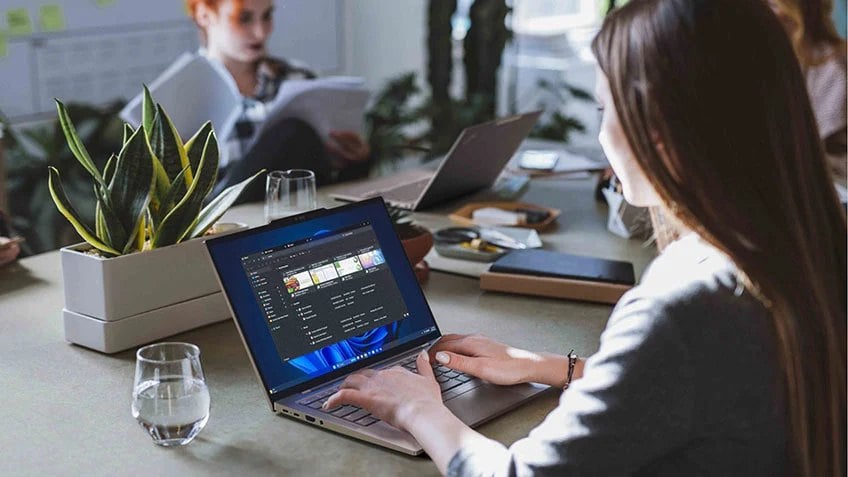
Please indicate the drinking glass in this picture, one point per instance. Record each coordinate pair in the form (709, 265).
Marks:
(288, 193)
(170, 397)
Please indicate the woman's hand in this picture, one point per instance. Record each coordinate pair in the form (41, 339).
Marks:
(498, 363)
(348, 146)
(394, 395)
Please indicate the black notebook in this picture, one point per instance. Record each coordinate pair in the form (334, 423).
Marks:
(544, 263)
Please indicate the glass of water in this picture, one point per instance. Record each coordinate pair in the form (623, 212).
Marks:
(288, 193)
(170, 397)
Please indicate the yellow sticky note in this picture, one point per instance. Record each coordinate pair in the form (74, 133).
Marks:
(52, 17)
(19, 22)
(4, 45)
(106, 3)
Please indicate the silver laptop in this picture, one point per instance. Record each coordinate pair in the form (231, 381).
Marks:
(320, 295)
(474, 162)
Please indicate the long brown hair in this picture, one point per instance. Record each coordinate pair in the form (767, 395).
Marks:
(716, 83)
(811, 28)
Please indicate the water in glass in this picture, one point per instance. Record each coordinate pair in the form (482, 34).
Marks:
(170, 397)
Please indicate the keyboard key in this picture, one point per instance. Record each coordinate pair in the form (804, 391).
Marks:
(316, 404)
(442, 379)
(344, 411)
(357, 415)
(443, 369)
(367, 421)
(449, 384)
(452, 374)
(464, 378)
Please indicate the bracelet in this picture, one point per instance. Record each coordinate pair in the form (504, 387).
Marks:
(572, 360)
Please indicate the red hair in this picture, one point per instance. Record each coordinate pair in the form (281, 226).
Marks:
(191, 7)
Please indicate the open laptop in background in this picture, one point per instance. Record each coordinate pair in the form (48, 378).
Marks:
(320, 295)
(474, 162)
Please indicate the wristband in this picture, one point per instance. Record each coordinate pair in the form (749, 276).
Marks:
(572, 360)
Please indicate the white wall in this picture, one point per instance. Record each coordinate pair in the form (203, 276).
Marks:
(384, 38)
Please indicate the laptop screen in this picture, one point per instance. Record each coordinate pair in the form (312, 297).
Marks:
(319, 295)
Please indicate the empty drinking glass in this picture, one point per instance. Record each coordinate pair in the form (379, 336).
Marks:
(288, 193)
(170, 397)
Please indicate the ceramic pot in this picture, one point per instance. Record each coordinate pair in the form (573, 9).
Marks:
(417, 242)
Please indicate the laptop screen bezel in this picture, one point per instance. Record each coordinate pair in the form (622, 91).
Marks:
(398, 267)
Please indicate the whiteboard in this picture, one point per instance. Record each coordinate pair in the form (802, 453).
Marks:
(106, 49)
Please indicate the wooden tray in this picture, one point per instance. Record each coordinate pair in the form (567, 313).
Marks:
(462, 216)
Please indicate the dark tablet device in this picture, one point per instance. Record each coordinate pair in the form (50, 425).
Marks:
(544, 263)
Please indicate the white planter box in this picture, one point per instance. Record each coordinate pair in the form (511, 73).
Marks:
(112, 304)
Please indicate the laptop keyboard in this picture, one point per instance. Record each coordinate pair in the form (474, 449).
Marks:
(453, 383)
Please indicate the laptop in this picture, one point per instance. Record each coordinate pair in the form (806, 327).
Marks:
(320, 295)
(474, 162)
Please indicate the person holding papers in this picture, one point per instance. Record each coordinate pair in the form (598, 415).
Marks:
(729, 357)
(234, 33)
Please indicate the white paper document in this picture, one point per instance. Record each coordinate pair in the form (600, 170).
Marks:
(195, 89)
(192, 90)
(326, 104)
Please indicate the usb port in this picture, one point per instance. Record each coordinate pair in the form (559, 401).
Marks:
(310, 418)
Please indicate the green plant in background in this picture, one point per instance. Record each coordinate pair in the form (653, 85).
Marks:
(558, 125)
(389, 122)
(29, 151)
(151, 194)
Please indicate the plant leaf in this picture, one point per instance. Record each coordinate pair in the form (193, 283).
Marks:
(199, 139)
(75, 144)
(128, 131)
(57, 192)
(177, 224)
(148, 111)
(109, 170)
(167, 146)
(219, 205)
(130, 187)
(115, 234)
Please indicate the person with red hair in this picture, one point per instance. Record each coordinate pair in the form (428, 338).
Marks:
(235, 33)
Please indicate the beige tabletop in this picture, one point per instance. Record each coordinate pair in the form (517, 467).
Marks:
(65, 410)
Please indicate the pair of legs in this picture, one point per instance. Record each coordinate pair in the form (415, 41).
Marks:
(287, 144)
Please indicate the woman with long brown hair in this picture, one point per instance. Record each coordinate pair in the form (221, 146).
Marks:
(729, 357)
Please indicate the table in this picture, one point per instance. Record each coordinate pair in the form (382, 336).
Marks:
(65, 410)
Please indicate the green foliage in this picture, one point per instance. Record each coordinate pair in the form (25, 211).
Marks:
(558, 125)
(31, 150)
(151, 194)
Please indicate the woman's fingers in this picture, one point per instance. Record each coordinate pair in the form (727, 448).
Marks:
(465, 364)
(345, 396)
(423, 363)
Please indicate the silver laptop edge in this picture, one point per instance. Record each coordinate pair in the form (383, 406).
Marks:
(450, 185)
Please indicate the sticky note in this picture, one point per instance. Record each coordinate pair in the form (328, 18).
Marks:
(19, 22)
(4, 45)
(52, 17)
(105, 3)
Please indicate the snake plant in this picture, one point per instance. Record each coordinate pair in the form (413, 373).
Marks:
(151, 194)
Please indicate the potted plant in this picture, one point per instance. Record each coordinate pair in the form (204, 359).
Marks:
(139, 276)
(417, 241)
